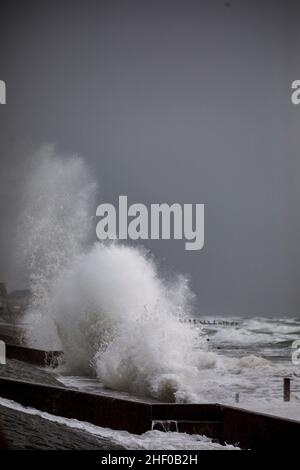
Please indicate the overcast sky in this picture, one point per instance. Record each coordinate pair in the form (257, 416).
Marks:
(168, 101)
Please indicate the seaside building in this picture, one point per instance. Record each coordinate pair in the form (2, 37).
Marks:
(3, 299)
(18, 300)
(14, 302)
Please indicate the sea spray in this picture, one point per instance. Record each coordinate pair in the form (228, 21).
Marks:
(105, 305)
(54, 228)
(115, 316)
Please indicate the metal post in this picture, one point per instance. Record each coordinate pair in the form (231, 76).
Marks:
(286, 389)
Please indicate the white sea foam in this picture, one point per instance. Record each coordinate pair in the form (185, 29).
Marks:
(116, 317)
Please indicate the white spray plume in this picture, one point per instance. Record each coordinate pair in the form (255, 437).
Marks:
(105, 305)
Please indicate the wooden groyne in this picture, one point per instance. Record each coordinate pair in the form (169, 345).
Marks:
(197, 321)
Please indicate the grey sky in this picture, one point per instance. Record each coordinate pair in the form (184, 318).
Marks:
(168, 101)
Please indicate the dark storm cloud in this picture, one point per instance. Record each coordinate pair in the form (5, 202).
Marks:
(168, 101)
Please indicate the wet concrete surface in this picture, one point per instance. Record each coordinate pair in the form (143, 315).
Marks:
(14, 369)
(23, 431)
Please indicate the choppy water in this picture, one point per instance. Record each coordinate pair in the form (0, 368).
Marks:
(250, 359)
(254, 339)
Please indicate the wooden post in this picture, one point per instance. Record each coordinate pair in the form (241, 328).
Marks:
(286, 389)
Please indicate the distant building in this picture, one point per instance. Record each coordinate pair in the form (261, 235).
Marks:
(3, 299)
(13, 303)
(18, 300)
